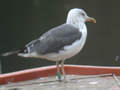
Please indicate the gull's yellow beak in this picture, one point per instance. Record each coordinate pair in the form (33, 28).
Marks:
(90, 19)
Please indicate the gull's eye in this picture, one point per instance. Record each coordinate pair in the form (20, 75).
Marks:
(82, 14)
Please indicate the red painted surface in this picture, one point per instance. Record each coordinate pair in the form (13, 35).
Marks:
(51, 71)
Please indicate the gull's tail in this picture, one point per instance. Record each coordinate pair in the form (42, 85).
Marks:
(14, 52)
(11, 53)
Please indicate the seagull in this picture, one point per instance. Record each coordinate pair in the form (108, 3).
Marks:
(59, 43)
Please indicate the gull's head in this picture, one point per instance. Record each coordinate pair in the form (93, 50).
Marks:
(77, 15)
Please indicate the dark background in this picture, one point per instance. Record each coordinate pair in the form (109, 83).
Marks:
(24, 20)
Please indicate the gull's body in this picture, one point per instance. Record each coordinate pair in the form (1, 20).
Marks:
(61, 42)
(68, 51)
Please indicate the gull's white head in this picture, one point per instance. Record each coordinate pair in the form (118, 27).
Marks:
(76, 16)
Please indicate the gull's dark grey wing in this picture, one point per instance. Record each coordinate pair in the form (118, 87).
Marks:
(54, 40)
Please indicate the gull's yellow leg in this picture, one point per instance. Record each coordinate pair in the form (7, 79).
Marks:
(63, 71)
(58, 71)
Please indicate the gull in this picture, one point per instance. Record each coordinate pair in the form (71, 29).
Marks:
(59, 43)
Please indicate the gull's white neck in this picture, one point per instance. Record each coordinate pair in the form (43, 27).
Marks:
(75, 21)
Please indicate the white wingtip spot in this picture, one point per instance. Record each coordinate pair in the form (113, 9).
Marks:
(33, 54)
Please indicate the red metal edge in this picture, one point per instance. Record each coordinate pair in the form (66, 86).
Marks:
(51, 71)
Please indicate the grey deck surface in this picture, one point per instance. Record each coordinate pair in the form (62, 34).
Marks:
(74, 82)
